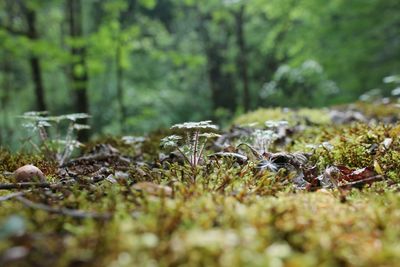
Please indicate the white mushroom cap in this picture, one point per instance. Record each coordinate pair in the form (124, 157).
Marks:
(29, 173)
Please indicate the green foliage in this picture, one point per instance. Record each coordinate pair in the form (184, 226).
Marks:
(149, 4)
(204, 226)
(56, 144)
(378, 110)
(196, 135)
(361, 146)
(305, 86)
(11, 161)
(173, 56)
(231, 215)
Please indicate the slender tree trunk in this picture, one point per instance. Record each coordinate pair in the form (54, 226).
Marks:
(6, 87)
(35, 62)
(79, 74)
(120, 89)
(222, 84)
(242, 57)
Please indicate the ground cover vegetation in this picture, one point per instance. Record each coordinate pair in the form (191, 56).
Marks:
(294, 192)
(138, 65)
(199, 133)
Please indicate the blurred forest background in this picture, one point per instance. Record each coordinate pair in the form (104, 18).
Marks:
(137, 65)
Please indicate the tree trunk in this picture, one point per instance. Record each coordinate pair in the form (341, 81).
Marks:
(221, 83)
(120, 89)
(6, 88)
(35, 62)
(79, 74)
(242, 57)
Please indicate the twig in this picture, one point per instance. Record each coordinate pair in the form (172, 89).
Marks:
(63, 211)
(196, 141)
(24, 185)
(202, 148)
(238, 157)
(184, 155)
(34, 146)
(252, 149)
(68, 139)
(35, 185)
(12, 195)
(362, 181)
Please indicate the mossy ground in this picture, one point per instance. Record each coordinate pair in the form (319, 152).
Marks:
(231, 216)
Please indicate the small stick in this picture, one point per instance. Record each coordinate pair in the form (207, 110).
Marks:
(202, 148)
(183, 154)
(253, 150)
(196, 141)
(35, 185)
(63, 211)
(12, 195)
(362, 181)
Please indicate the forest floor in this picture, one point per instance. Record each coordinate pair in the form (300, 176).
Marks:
(321, 189)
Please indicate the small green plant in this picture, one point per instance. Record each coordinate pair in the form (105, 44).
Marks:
(192, 141)
(260, 140)
(47, 135)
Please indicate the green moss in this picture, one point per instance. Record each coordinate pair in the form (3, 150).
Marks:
(360, 146)
(232, 215)
(316, 116)
(219, 229)
(10, 162)
(377, 110)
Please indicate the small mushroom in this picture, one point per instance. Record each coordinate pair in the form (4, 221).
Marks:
(29, 173)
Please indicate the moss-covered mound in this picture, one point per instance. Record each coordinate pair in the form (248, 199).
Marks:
(316, 116)
(118, 205)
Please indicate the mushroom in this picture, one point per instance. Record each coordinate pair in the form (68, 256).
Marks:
(29, 173)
